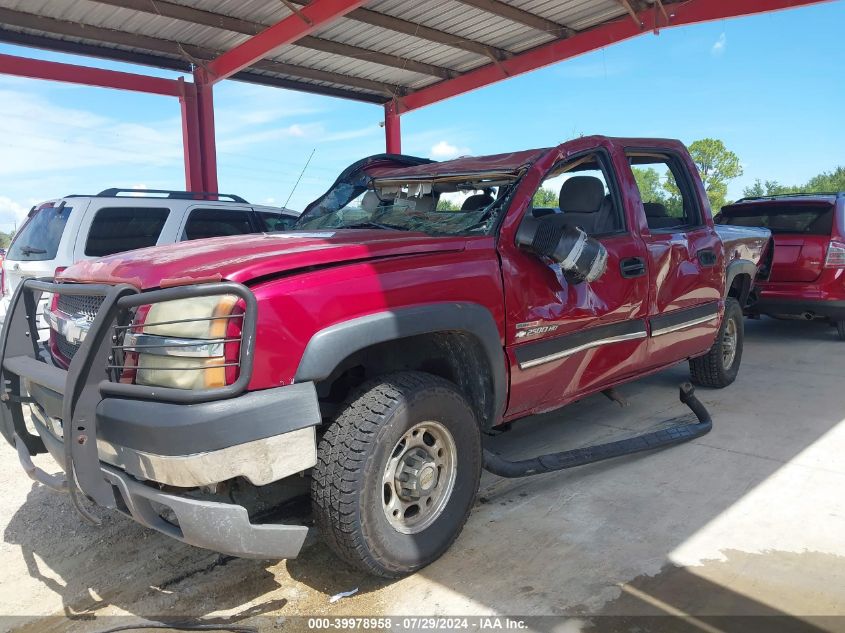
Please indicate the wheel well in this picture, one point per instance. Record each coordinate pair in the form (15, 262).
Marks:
(456, 356)
(740, 288)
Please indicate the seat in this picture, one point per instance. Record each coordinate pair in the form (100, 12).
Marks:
(584, 204)
(657, 217)
(370, 202)
(478, 201)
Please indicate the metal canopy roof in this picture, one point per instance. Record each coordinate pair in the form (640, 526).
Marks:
(375, 53)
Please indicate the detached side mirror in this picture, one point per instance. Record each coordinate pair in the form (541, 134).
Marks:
(581, 257)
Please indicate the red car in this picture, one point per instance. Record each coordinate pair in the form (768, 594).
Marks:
(807, 278)
(367, 352)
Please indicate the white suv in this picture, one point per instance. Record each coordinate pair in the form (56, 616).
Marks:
(60, 232)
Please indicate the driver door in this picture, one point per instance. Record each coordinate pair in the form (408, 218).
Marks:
(564, 338)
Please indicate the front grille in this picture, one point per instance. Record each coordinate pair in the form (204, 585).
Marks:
(77, 305)
(66, 348)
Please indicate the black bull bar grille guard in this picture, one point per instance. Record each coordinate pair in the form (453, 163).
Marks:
(87, 380)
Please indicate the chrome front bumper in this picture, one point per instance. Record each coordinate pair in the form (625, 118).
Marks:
(221, 527)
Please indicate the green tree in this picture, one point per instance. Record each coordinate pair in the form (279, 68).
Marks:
(6, 238)
(831, 181)
(445, 204)
(661, 189)
(717, 165)
(545, 198)
(827, 181)
(767, 188)
(648, 182)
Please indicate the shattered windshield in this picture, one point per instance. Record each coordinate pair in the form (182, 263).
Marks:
(447, 205)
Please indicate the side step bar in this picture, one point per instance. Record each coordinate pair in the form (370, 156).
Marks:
(600, 452)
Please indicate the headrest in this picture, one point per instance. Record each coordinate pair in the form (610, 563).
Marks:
(478, 201)
(370, 202)
(581, 194)
(654, 210)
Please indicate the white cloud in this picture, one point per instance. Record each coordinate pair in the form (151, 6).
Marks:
(444, 150)
(267, 135)
(46, 137)
(12, 213)
(349, 135)
(720, 45)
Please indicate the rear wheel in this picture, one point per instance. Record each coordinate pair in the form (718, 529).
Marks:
(397, 473)
(840, 329)
(720, 366)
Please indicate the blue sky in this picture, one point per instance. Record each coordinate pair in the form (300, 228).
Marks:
(770, 86)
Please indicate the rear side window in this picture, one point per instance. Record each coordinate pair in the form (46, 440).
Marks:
(275, 221)
(216, 223)
(39, 238)
(119, 229)
(667, 195)
(806, 219)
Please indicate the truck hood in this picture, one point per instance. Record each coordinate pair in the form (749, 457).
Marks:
(247, 257)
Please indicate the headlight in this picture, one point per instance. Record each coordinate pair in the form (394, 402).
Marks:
(185, 343)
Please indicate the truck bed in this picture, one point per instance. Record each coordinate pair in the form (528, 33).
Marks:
(741, 242)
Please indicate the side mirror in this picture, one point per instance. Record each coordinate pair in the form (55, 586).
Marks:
(581, 257)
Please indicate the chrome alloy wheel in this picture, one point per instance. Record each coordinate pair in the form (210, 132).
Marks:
(419, 477)
(729, 342)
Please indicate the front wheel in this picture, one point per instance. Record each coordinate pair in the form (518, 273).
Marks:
(397, 473)
(840, 330)
(720, 366)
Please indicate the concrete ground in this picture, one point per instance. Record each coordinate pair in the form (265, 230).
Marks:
(748, 520)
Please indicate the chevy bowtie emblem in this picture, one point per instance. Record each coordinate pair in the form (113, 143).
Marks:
(72, 327)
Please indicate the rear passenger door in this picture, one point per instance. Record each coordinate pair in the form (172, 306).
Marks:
(204, 221)
(685, 256)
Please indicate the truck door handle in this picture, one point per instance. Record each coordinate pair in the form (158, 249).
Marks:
(706, 257)
(632, 267)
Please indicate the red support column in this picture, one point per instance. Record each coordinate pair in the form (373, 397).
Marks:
(208, 146)
(392, 129)
(191, 137)
(197, 103)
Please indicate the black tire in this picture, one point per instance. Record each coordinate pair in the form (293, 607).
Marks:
(348, 493)
(710, 370)
(840, 330)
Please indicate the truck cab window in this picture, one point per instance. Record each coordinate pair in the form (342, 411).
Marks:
(580, 190)
(203, 223)
(665, 191)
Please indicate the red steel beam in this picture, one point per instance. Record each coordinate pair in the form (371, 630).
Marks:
(191, 143)
(313, 15)
(690, 12)
(208, 145)
(392, 129)
(71, 73)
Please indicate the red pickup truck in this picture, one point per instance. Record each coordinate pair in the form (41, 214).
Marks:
(367, 352)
